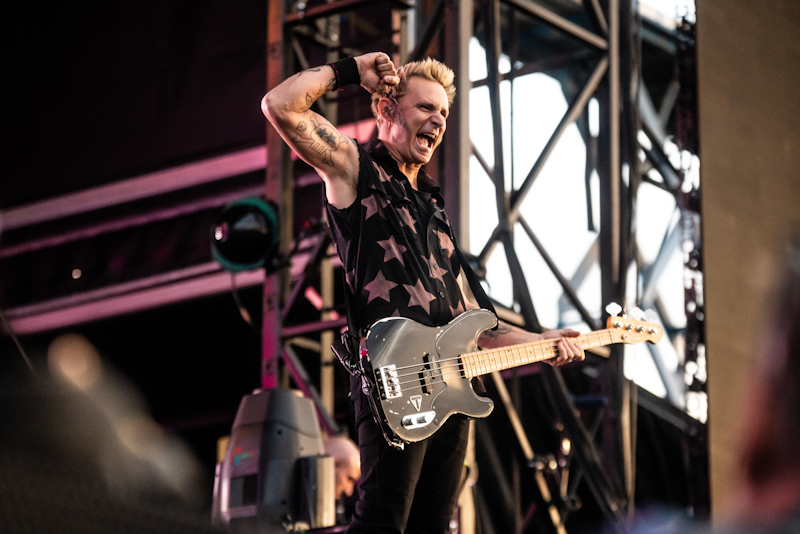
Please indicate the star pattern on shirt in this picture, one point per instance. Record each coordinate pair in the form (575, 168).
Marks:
(372, 207)
(393, 249)
(458, 310)
(379, 288)
(434, 269)
(405, 218)
(424, 273)
(382, 176)
(445, 242)
(419, 296)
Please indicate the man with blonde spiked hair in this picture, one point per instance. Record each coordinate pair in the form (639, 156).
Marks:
(400, 259)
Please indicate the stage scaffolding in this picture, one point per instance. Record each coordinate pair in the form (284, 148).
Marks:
(598, 50)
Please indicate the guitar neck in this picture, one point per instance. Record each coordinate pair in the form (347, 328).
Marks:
(488, 361)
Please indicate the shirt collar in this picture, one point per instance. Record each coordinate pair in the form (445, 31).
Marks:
(425, 183)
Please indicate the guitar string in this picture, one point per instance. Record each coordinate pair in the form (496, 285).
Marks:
(457, 368)
(438, 376)
(443, 371)
(549, 345)
(483, 364)
(459, 365)
(511, 352)
(435, 380)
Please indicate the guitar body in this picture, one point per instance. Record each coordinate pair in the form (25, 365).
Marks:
(415, 375)
(418, 376)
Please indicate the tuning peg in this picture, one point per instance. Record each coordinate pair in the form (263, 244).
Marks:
(613, 309)
(650, 316)
(638, 314)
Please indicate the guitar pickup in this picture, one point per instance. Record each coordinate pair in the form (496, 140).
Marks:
(425, 375)
(389, 383)
(418, 420)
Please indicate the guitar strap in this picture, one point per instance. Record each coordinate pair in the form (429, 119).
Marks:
(349, 347)
(474, 284)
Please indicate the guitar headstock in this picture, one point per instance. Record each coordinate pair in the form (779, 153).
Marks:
(633, 331)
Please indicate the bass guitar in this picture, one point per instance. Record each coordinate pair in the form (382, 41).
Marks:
(418, 376)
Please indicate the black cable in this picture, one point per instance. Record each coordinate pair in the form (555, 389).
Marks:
(16, 341)
(242, 309)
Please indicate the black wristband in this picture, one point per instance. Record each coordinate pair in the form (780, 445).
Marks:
(346, 72)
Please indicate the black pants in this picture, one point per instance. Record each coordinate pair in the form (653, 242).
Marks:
(413, 490)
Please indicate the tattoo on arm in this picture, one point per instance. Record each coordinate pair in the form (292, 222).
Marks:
(501, 330)
(329, 86)
(309, 103)
(320, 137)
(308, 70)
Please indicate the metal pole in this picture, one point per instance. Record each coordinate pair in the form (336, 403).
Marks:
(278, 190)
(456, 144)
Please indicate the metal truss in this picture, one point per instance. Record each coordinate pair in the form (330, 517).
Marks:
(607, 67)
(604, 78)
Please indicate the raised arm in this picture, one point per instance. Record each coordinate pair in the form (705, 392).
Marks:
(310, 135)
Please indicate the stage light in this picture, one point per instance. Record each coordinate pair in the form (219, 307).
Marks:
(245, 235)
(275, 477)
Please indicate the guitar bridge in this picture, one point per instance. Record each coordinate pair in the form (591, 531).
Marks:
(388, 382)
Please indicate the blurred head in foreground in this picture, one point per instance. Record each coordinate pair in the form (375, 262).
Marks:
(79, 452)
(771, 438)
(347, 460)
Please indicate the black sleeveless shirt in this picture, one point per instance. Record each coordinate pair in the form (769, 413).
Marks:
(396, 245)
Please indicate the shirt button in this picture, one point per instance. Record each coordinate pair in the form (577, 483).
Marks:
(441, 294)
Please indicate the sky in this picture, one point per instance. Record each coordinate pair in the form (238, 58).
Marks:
(555, 208)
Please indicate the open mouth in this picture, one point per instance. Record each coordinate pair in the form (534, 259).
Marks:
(426, 140)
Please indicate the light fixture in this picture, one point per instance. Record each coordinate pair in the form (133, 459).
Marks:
(245, 235)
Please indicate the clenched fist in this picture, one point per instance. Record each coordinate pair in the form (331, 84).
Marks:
(376, 68)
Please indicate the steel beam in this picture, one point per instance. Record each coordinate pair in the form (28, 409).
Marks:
(543, 65)
(527, 450)
(572, 114)
(136, 188)
(278, 190)
(559, 22)
(432, 28)
(456, 146)
(331, 8)
(566, 285)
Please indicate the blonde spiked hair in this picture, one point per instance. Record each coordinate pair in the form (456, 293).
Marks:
(429, 69)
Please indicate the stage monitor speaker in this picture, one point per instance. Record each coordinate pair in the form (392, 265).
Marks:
(275, 476)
